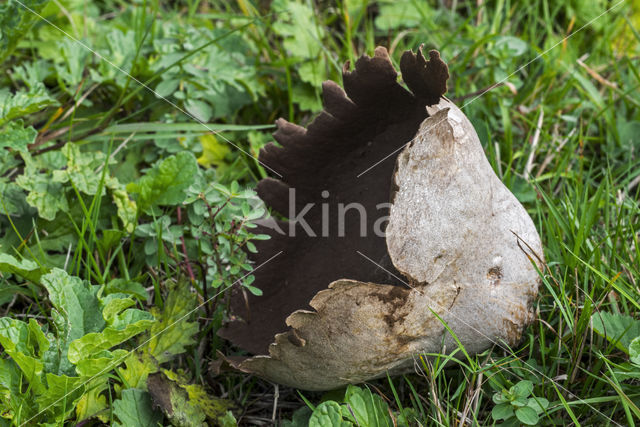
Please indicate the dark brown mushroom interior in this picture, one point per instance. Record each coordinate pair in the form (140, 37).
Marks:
(376, 117)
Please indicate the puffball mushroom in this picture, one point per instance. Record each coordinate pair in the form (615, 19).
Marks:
(344, 303)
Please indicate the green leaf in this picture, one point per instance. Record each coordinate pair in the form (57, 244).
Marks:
(397, 14)
(214, 152)
(93, 401)
(73, 65)
(166, 182)
(9, 377)
(23, 102)
(500, 398)
(15, 22)
(166, 338)
(113, 304)
(13, 200)
(25, 344)
(367, 408)
(81, 170)
(527, 415)
(300, 418)
(618, 328)
(538, 404)
(76, 312)
(634, 351)
(128, 287)
(95, 342)
(16, 136)
(122, 324)
(127, 209)
(511, 46)
(502, 411)
(185, 404)
(61, 396)
(24, 268)
(100, 364)
(174, 332)
(135, 409)
(627, 133)
(166, 87)
(522, 389)
(45, 194)
(327, 414)
(199, 109)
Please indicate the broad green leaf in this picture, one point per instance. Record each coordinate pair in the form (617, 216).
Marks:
(527, 415)
(71, 68)
(25, 344)
(174, 402)
(398, 14)
(199, 109)
(135, 409)
(618, 328)
(114, 303)
(16, 136)
(12, 400)
(122, 324)
(538, 404)
(101, 363)
(130, 317)
(13, 200)
(45, 194)
(82, 169)
(522, 389)
(367, 408)
(166, 87)
(502, 411)
(174, 331)
(306, 97)
(127, 287)
(127, 209)
(95, 342)
(137, 367)
(93, 401)
(634, 351)
(300, 418)
(328, 414)
(214, 152)
(76, 312)
(499, 398)
(166, 182)
(512, 46)
(9, 378)
(303, 39)
(166, 338)
(23, 102)
(121, 53)
(183, 403)
(15, 22)
(296, 22)
(24, 268)
(61, 396)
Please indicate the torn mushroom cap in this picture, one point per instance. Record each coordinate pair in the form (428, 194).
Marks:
(450, 247)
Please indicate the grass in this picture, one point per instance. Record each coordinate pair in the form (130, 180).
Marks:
(562, 134)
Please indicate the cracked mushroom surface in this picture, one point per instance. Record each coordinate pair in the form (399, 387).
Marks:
(395, 215)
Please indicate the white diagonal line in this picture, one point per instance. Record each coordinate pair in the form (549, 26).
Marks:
(448, 311)
(121, 359)
(499, 82)
(219, 133)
